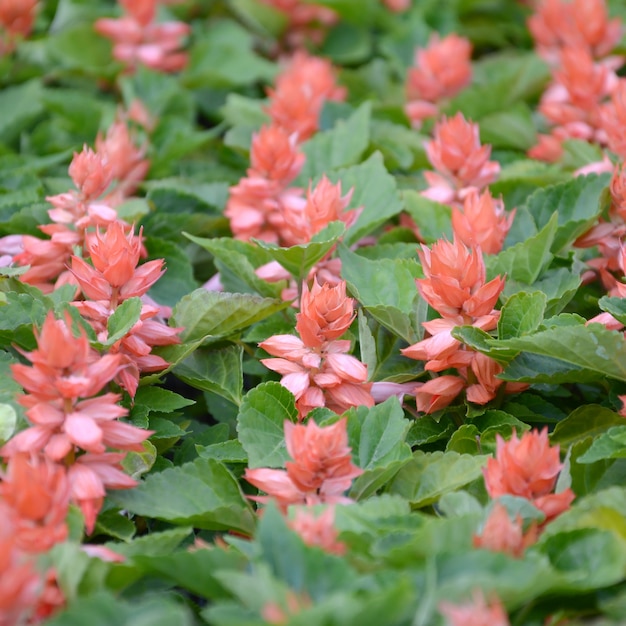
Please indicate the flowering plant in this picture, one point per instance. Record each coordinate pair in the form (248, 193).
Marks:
(312, 312)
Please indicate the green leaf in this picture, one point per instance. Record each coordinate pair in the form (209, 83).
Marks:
(590, 420)
(21, 312)
(464, 440)
(217, 370)
(374, 189)
(433, 219)
(615, 306)
(511, 129)
(526, 260)
(386, 288)
(577, 204)
(104, 609)
(537, 368)
(123, 319)
(609, 445)
(339, 147)
(260, 424)
(8, 422)
(521, 315)
(210, 314)
(591, 347)
(21, 105)
(431, 474)
(203, 493)
(298, 260)
(377, 438)
(241, 258)
(159, 399)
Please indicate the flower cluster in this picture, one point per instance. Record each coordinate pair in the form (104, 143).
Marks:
(72, 425)
(455, 287)
(529, 468)
(440, 71)
(461, 163)
(16, 22)
(320, 472)
(475, 613)
(315, 366)
(575, 38)
(34, 499)
(139, 40)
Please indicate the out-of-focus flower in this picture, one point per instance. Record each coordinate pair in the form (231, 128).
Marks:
(300, 92)
(582, 24)
(454, 283)
(397, 6)
(318, 531)
(528, 467)
(482, 222)
(613, 120)
(501, 534)
(440, 71)
(38, 493)
(461, 163)
(275, 613)
(275, 156)
(324, 204)
(17, 18)
(548, 148)
(475, 613)
(321, 470)
(139, 40)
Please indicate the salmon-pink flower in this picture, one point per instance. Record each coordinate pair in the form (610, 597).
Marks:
(438, 393)
(324, 204)
(139, 40)
(274, 155)
(548, 148)
(581, 24)
(318, 531)
(460, 161)
(613, 120)
(482, 222)
(501, 534)
(325, 313)
(397, 6)
(475, 613)
(528, 467)
(440, 71)
(38, 493)
(455, 281)
(17, 18)
(301, 89)
(274, 613)
(485, 370)
(321, 470)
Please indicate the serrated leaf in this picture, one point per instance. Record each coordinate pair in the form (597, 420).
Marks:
(202, 493)
(374, 189)
(526, 260)
(298, 260)
(431, 474)
(217, 370)
(341, 146)
(538, 368)
(123, 319)
(521, 315)
(577, 204)
(159, 399)
(210, 314)
(386, 288)
(260, 424)
(615, 306)
(432, 218)
(609, 445)
(591, 347)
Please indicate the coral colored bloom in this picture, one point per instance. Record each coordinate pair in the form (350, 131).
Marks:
(482, 222)
(397, 6)
(321, 470)
(326, 313)
(440, 71)
(318, 531)
(455, 281)
(528, 467)
(613, 120)
(274, 613)
(460, 161)
(17, 18)
(138, 40)
(274, 155)
(475, 613)
(582, 24)
(485, 370)
(438, 393)
(38, 492)
(501, 534)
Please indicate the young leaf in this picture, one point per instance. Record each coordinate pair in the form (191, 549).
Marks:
(123, 319)
(522, 314)
(260, 424)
